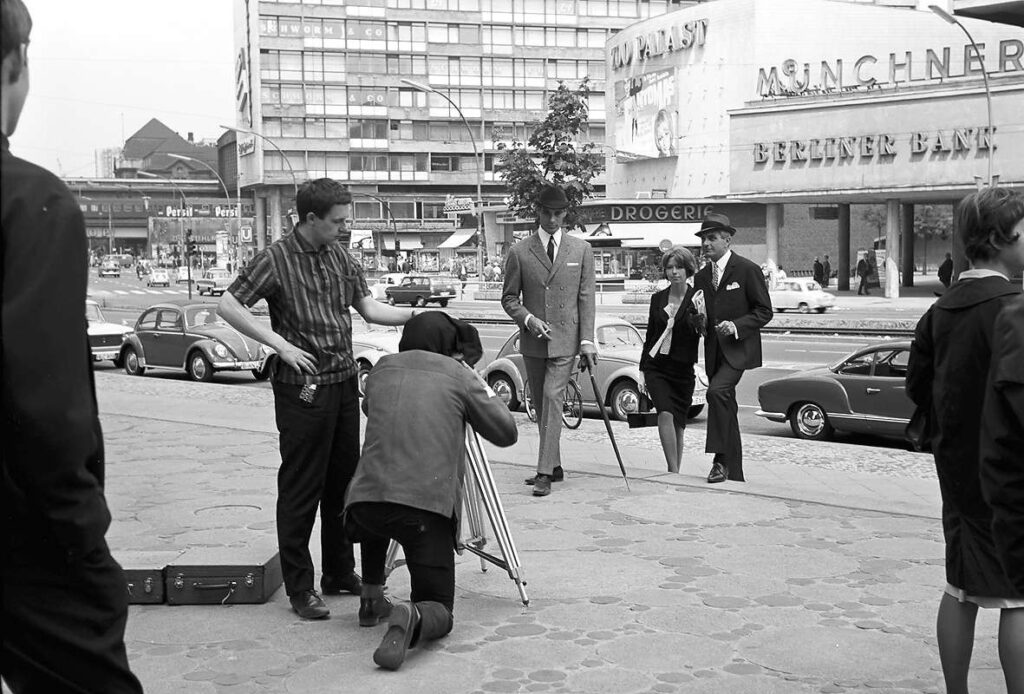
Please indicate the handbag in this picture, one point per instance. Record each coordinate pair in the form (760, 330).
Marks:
(919, 431)
(643, 417)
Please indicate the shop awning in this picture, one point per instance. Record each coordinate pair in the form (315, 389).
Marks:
(407, 242)
(650, 235)
(458, 238)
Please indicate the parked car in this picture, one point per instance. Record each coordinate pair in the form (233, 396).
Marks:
(189, 335)
(800, 294)
(158, 276)
(419, 290)
(864, 393)
(110, 268)
(617, 373)
(182, 275)
(383, 282)
(369, 343)
(105, 338)
(214, 281)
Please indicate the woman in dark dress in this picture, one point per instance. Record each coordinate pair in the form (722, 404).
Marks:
(947, 375)
(674, 328)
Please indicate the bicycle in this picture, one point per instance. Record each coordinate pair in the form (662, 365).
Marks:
(572, 404)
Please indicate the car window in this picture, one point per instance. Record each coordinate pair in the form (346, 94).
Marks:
(892, 364)
(406, 282)
(812, 286)
(618, 336)
(858, 366)
(169, 319)
(92, 313)
(202, 316)
(147, 321)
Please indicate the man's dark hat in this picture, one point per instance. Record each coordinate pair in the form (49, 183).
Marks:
(715, 222)
(436, 331)
(553, 198)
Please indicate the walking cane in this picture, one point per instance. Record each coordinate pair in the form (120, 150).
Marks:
(585, 365)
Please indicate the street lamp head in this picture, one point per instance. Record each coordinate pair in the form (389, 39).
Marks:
(942, 13)
(418, 85)
(182, 157)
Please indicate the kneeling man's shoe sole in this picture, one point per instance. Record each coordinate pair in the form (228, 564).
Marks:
(402, 622)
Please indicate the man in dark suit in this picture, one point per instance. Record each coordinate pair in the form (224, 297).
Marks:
(738, 306)
(549, 292)
(65, 603)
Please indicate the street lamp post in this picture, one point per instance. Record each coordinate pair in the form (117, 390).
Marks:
(247, 131)
(227, 195)
(984, 74)
(184, 201)
(477, 154)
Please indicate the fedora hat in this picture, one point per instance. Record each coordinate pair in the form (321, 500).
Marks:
(553, 198)
(715, 222)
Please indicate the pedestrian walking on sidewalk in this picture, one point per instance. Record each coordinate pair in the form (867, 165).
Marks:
(863, 271)
(738, 306)
(947, 375)
(826, 271)
(946, 271)
(818, 272)
(674, 329)
(64, 600)
(408, 488)
(1002, 440)
(549, 292)
(310, 281)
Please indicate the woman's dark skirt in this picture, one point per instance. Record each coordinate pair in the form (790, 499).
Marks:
(670, 384)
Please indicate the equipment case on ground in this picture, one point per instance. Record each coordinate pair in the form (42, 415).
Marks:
(223, 575)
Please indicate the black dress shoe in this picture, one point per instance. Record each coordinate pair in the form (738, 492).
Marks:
(542, 485)
(309, 605)
(557, 475)
(336, 585)
(719, 473)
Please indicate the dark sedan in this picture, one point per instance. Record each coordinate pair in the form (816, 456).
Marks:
(189, 335)
(863, 393)
(419, 290)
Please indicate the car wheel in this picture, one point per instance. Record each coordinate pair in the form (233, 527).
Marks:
(364, 371)
(443, 302)
(391, 300)
(199, 367)
(803, 308)
(420, 302)
(132, 366)
(694, 411)
(809, 421)
(505, 388)
(821, 309)
(625, 399)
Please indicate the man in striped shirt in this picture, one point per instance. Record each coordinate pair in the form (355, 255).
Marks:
(310, 282)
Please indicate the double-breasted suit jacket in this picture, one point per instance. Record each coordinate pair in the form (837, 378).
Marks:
(742, 298)
(561, 294)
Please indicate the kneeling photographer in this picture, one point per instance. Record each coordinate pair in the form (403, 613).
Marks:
(407, 486)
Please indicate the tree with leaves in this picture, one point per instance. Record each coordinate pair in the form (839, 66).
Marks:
(553, 154)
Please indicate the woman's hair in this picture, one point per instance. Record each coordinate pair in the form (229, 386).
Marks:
(986, 218)
(683, 258)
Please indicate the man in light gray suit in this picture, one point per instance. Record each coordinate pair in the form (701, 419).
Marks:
(549, 292)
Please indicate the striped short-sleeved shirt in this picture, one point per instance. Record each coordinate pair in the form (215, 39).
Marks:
(309, 293)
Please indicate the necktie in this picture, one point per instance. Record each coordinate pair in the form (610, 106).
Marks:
(551, 248)
(715, 274)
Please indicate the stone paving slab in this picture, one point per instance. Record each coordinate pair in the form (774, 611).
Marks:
(674, 586)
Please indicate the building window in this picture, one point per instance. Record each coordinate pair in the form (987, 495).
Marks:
(368, 129)
(444, 162)
(403, 210)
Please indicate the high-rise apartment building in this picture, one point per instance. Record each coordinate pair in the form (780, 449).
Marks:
(319, 84)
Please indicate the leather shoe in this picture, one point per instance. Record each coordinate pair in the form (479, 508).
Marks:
(402, 623)
(308, 605)
(542, 485)
(719, 473)
(557, 475)
(335, 585)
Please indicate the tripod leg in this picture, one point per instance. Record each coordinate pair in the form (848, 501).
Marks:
(391, 560)
(471, 504)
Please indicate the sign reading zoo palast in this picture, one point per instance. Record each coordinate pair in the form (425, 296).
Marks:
(659, 41)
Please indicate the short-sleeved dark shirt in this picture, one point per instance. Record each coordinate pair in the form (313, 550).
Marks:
(309, 293)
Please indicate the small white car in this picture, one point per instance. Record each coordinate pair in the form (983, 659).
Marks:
(105, 338)
(214, 281)
(182, 275)
(800, 294)
(158, 276)
(392, 279)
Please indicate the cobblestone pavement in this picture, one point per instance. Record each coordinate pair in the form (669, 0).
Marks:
(815, 576)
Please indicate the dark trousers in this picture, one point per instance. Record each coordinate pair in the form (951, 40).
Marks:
(723, 425)
(319, 451)
(63, 628)
(862, 288)
(548, 378)
(429, 546)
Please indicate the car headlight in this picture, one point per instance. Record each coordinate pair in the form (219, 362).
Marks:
(221, 351)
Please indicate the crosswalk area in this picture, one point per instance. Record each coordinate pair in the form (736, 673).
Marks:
(125, 292)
